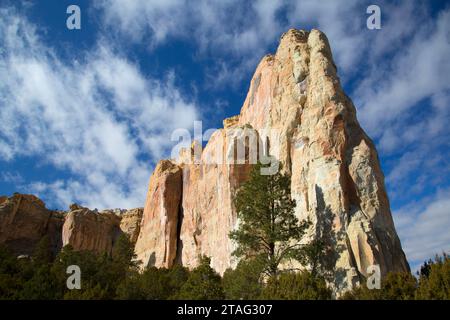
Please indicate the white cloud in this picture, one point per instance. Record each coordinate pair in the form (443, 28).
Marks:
(11, 177)
(423, 227)
(404, 102)
(426, 165)
(231, 25)
(241, 32)
(419, 71)
(102, 119)
(238, 31)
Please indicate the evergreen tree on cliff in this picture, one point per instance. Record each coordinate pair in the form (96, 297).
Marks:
(268, 230)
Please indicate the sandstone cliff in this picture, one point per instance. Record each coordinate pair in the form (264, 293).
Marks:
(24, 221)
(298, 109)
(130, 223)
(157, 241)
(84, 229)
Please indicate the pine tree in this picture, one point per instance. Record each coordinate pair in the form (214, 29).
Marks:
(42, 252)
(296, 286)
(268, 230)
(42, 284)
(123, 252)
(11, 279)
(434, 284)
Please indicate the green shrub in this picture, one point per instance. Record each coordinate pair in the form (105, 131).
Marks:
(395, 286)
(435, 284)
(203, 283)
(296, 286)
(244, 282)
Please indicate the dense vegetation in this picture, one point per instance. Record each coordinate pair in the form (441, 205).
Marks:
(114, 277)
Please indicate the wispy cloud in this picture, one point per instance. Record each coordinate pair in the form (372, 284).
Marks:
(419, 71)
(238, 32)
(100, 119)
(235, 26)
(11, 177)
(403, 101)
(423, 227)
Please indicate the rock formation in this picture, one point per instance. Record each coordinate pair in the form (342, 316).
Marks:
(130, 223)
(296, 106)
(84, 229)
(157, 241)
(24, 221)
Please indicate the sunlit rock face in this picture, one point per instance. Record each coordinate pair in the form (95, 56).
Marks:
(157, 241)
(130, 223)
(336, 177)
(297, 107)
(208, 213)
(89, 230)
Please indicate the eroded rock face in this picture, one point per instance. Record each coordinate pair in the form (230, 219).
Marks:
(157, 241)
(337, 181)
(295, 101)
(208, 213)
(130, 223)
(85, 229)
(24, 220)
(54, 230)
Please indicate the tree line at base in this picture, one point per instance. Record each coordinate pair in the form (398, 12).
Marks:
(114, 277)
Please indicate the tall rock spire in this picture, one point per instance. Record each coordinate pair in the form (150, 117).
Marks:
(296, 105)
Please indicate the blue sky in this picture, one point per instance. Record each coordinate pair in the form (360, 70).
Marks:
(86, 114)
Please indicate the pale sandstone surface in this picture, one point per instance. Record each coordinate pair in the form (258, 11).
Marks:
(208, 213)
(296, 103)
(157, 241)
(85, 229)
(130, 223)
